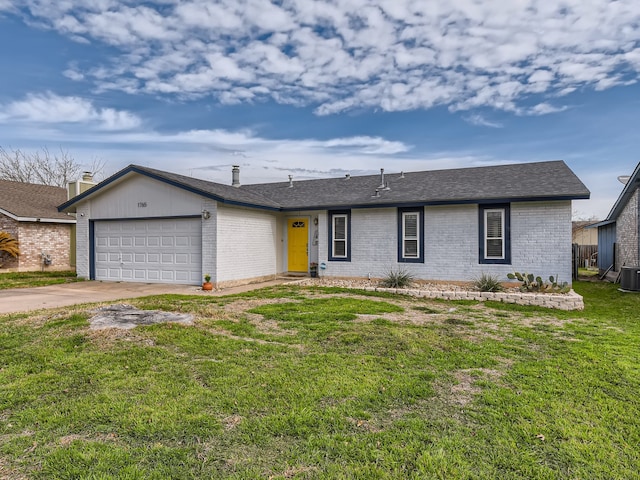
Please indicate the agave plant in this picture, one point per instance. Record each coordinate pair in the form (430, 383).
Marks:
(9, 244)
(397, 279)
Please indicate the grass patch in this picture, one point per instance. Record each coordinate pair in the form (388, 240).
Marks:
(36, 279)
(297, 382)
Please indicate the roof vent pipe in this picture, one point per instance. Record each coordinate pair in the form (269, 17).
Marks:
(290, 181)
(347, 176)
(401, 174)
(377, 194)
(235, 176)
(381, 178)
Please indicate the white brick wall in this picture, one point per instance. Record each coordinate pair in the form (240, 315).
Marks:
(541, 238)
(209, 236)
(540, 243)
(83, 212)
(247, 244)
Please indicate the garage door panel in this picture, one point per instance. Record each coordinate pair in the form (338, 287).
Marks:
(126, 274)
(182, 259)
(183, 277)
(183, 241)
(153, 275)
(167, 276)
(140, 275)
(163, 250)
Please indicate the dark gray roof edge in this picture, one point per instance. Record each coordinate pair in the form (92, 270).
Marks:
(627, 191)
(72, 201)
(435, 203)
(262, 202)
(603, 223)
(162, 176)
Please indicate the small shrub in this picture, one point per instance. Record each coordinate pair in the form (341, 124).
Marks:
(487, 283)
(397, 279)
(531, 283)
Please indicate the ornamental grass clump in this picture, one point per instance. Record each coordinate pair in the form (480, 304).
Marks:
(488, 283)
(397, 279)
(9, 245)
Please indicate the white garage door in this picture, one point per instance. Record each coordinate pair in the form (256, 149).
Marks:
(153, 251)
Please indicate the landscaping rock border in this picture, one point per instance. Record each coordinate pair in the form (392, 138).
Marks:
(558, 301)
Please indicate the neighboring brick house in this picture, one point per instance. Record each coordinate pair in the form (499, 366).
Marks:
(619, 233)
(148, 225)
(29, 213)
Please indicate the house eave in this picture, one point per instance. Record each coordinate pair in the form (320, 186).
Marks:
(19, 218)
(424, 203)
(604, 223)
(70, 205)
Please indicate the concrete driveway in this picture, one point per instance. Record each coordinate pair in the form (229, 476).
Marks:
(28, 299)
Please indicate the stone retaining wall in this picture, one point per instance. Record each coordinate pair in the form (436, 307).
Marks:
(560, 301)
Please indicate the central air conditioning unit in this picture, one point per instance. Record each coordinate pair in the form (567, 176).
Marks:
(630, 279)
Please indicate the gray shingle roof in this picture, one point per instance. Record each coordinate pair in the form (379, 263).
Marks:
(28, 200)
(526, 181)
(226, 192)
(543, 180)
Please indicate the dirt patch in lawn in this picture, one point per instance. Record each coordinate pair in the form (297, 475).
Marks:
(462, 393)
(8, 473)
(239, 309)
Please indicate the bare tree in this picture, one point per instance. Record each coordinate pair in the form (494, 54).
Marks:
(43, 167)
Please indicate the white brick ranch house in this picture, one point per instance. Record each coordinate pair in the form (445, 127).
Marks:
(147, 225)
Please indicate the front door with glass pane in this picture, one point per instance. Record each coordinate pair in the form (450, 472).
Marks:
(298, 244)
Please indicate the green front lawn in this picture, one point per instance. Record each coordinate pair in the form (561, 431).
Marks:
(296, 382)
(36, 279)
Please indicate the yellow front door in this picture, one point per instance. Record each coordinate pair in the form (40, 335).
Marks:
(298, 244)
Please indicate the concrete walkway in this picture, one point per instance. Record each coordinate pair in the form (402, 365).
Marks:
(53, 296)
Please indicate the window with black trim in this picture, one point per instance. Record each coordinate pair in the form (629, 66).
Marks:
(495, 242)
(411, 235)
(340, 235)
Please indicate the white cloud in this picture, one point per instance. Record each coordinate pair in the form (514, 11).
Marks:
(49, 108)
(479, 120)
(73, 74)
(543, 109)
(355, 54)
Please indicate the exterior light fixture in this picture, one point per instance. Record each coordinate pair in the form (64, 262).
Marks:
(206, 214)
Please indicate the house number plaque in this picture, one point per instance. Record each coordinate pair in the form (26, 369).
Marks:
(142, 204)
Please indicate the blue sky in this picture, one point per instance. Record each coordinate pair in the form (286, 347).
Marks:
(323, 88)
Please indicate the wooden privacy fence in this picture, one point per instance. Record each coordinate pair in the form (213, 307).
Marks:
(583, 256)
